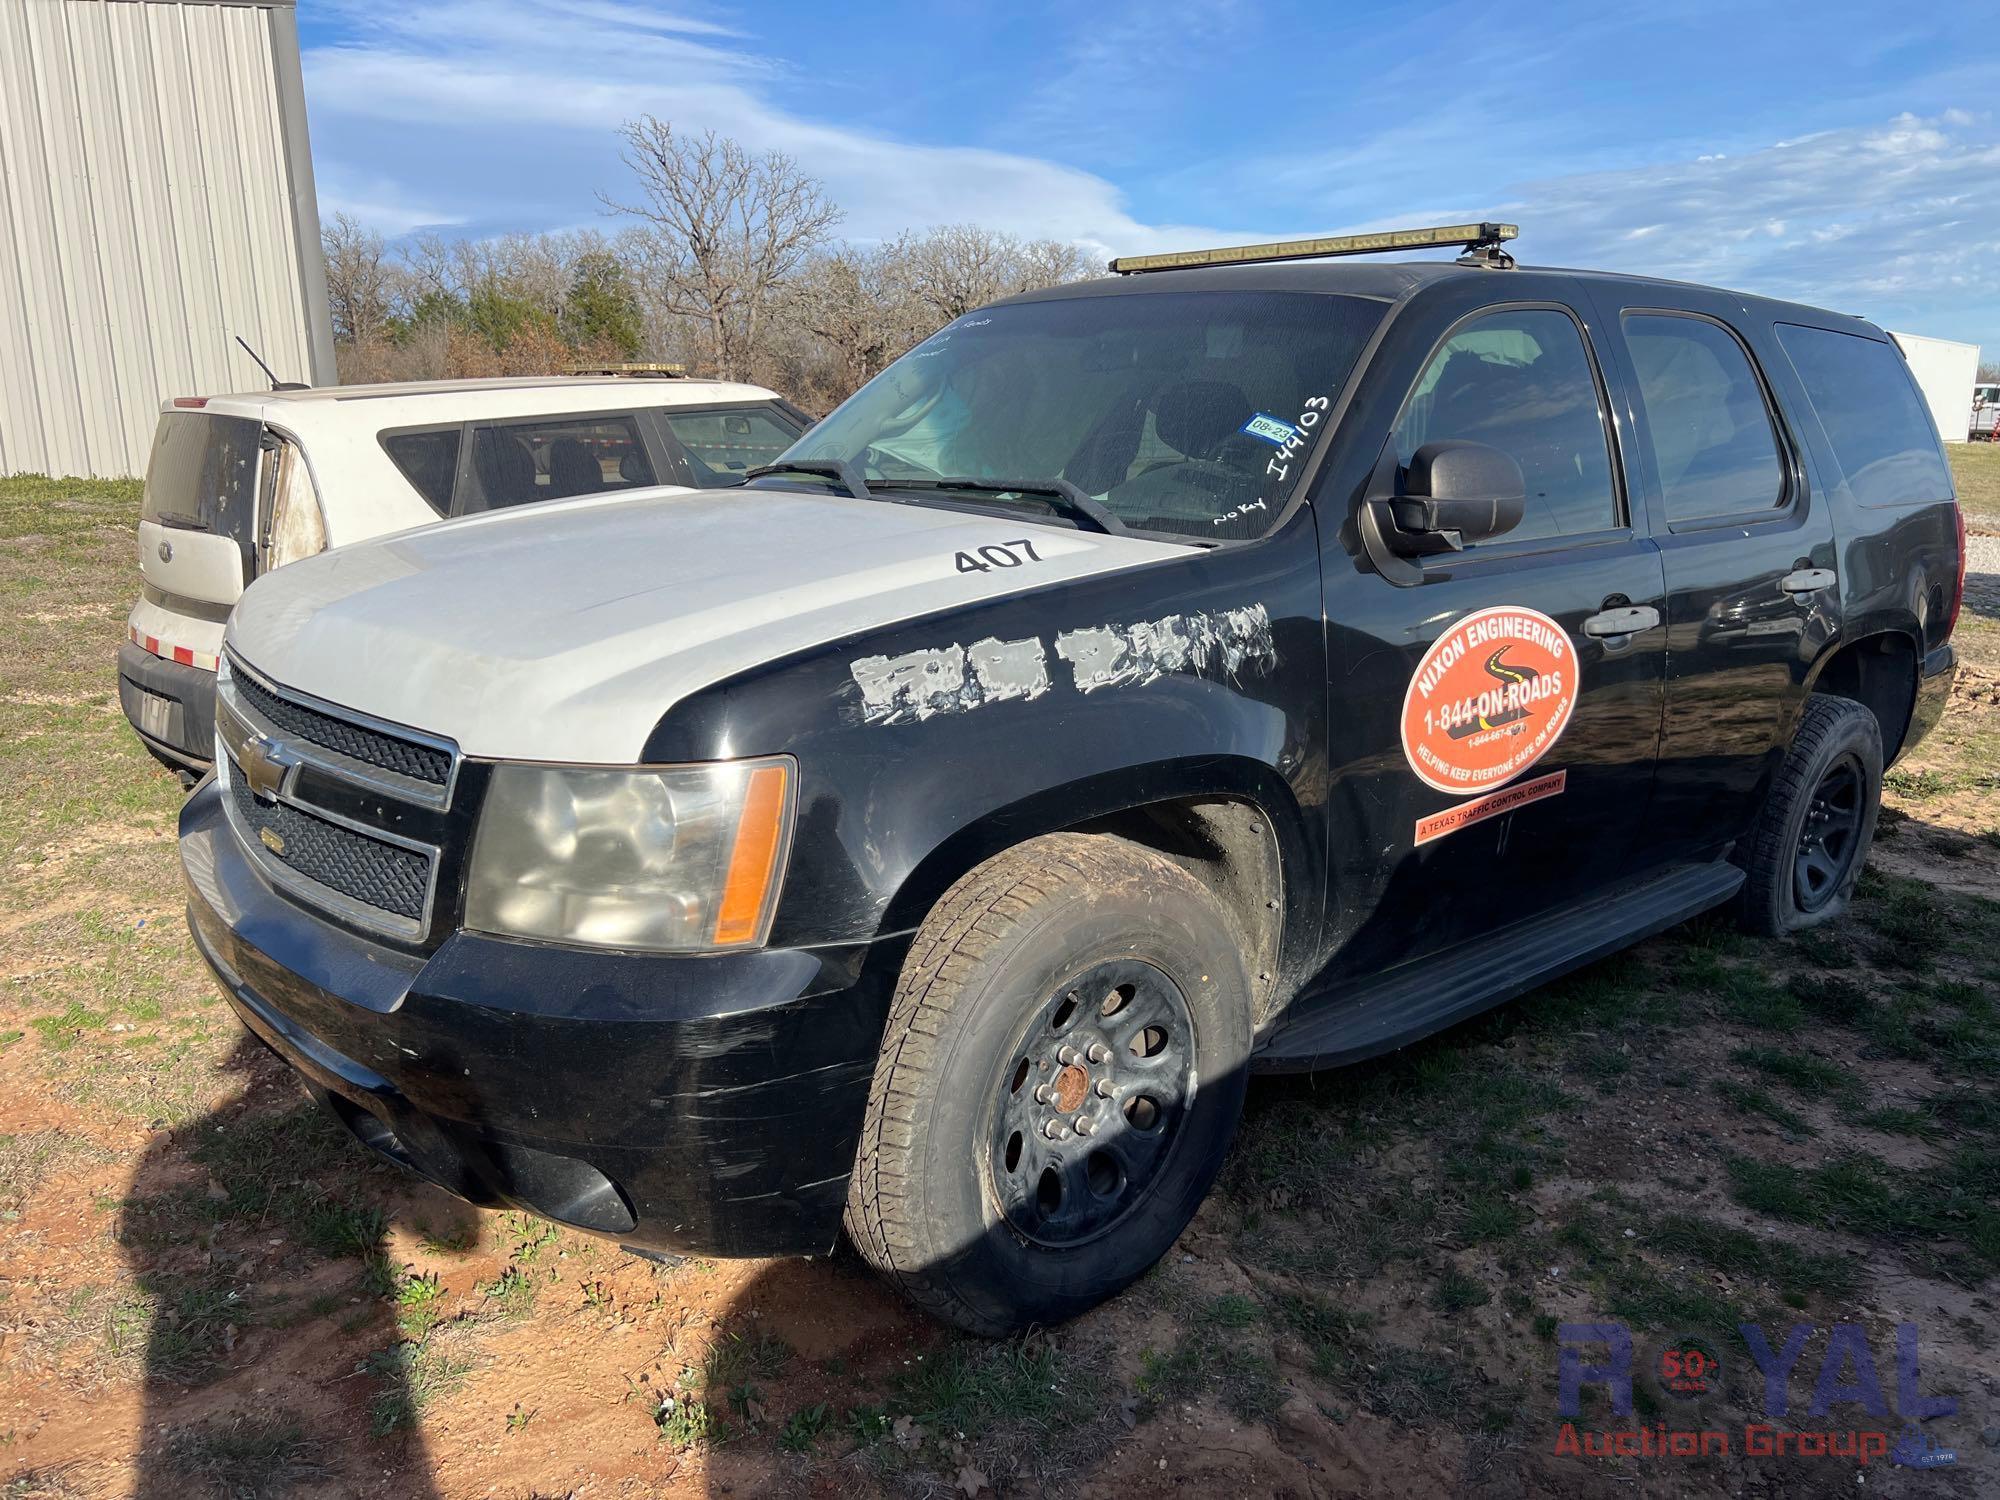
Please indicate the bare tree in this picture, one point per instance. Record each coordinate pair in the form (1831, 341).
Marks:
(360, 282)
(957, 267)
(728, 229)
(858, 304)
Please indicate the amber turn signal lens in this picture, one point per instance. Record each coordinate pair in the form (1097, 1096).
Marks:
(753, 863)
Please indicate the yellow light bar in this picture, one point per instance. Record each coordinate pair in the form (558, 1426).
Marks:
(628, 367)
(1342, 244)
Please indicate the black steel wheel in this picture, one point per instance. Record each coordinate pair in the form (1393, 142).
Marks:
(1091, 1108)
(1832, 834)
(1060, 1079)
(1804, 856)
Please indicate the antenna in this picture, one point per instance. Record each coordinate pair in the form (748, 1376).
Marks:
(269, 373)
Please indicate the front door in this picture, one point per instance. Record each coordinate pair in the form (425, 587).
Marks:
(1748, 549)
(1506, 706)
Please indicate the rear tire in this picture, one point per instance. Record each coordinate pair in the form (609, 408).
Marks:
(1805, 855)
(1060, 1080)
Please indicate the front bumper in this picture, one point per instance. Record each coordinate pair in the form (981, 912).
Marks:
(704, 1104)
(186, 736)
(1934, 682)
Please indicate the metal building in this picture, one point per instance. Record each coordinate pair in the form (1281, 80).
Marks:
(156, 199)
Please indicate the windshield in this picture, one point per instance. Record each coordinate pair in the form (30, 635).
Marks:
(1185, 412)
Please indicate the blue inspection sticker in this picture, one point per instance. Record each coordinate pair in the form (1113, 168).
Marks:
(1270, 429)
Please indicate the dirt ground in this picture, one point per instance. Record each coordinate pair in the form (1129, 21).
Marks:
(204, 1289)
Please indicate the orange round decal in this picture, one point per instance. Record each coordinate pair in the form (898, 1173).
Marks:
(1490, 698)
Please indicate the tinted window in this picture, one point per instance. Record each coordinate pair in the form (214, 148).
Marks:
(720, 445)
(202, 475)
(1189, 412)
(1874, 420)
(429, 460)
(552, 458)
(1711, 432)
(1521, 382)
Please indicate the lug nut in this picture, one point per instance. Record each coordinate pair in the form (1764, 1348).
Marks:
(1066, 1055)
(1043, 1093)
(1053, 1130)
(1104, 1088)
(1099, 1053)
(1082, 1126)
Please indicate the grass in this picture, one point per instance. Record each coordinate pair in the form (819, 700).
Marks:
(248, 1458)
(1925, 1210)
(1752, 1100)
(969, 1388)
(410, 1378)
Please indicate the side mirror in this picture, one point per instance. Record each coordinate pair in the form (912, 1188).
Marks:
(1454, 493)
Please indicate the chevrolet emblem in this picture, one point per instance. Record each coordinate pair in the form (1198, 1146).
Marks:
(264, 766)
(272, 840)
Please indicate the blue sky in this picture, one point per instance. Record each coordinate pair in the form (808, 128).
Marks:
(1844, 154)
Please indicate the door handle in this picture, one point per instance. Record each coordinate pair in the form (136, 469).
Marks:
(1808, 580)
(1629, 620)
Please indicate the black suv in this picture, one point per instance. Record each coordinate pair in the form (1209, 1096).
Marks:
(1217, 668)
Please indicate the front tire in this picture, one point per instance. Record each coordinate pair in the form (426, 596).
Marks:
(1060, 1080)
(1805, 855)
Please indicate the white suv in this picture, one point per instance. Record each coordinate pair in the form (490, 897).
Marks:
(239, 485)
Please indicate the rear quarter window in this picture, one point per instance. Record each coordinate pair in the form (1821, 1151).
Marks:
(429, 460)
(1875, 421)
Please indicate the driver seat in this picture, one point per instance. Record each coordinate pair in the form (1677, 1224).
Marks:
(1196, 417)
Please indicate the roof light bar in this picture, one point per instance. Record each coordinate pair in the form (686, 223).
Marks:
(1475, 237)
(636, 368)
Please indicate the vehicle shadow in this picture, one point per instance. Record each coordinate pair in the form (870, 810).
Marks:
(253, 1248)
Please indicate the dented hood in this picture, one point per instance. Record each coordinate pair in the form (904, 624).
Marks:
(563, 632)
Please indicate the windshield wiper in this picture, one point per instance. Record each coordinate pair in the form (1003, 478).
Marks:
(839, 470)
(1062, 496)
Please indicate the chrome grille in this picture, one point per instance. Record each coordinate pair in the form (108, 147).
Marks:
(306, 831)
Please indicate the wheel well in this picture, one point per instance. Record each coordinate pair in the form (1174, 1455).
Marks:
(1880, 673)
(1230, 847)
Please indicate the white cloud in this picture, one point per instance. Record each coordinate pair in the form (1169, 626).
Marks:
(1896, 221)
(501, 113)
(481, 93)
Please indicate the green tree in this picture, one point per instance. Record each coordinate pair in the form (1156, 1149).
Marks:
(601, 307)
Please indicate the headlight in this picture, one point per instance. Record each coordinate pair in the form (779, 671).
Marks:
(673, 858)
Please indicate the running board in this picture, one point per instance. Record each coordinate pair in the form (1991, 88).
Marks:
(1350, 1023)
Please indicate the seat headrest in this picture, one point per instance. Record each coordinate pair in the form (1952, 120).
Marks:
(1197, 417)
(573, 469)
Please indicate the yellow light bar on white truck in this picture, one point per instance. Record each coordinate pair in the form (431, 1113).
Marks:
(1473, 236)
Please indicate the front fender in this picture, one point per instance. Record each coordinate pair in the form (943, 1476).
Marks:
(1198, 676)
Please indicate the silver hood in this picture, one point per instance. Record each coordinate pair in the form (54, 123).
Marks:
(562, 632)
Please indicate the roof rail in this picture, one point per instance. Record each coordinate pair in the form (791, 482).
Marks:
(636, 368)
(1482, 248)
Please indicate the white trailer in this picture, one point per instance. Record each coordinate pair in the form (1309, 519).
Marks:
(1945, 372)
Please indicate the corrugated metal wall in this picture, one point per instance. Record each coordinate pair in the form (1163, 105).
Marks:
(155, 199)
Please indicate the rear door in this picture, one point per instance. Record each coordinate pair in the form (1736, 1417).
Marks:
(1747, 543)
(1514, 690)
(198, 516)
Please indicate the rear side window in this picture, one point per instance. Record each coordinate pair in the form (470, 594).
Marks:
(516, 463)
(1713, 443)
(720, 445)
(1874, 420)
(1521, 381)
(429, 460)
